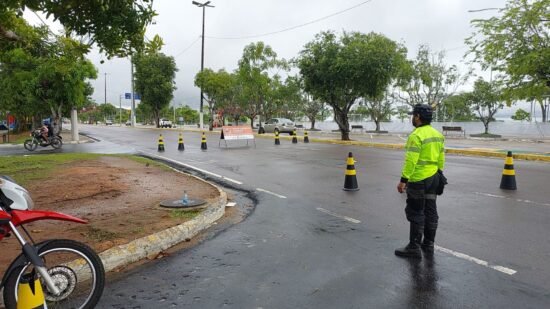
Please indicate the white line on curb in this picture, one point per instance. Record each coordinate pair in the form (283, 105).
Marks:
(338, 216)
(513, 199)
(195, 168)
(466, 257)
(269, 192)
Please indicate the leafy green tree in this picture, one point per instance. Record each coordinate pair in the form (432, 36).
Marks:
(521, 115)
(217, 87)
(427, 79)
(154, 81)
(339, 71)
(517, 45)
(379, 109)
(486, 100)
(117, 27)
(254, 65)
(456, 108)
(402, 113)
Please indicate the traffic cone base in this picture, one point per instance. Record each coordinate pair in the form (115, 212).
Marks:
(508, 180)
(161, 143)
(350, 182)
(203, 142)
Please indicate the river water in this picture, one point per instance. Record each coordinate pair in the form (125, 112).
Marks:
(506, 129)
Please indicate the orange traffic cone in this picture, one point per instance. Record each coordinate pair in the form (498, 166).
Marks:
(350, 183)
(508, 181)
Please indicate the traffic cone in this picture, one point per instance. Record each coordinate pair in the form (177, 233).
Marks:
(508, 181)
(203, 142)
(277, 141)
(306, 138)
(30, 294)
(161, 143)
(350, 183)
(294, 138)
(181, 147)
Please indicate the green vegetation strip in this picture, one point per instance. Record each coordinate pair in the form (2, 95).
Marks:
(35, 167)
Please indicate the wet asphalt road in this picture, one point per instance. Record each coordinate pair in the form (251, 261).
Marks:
(321, 247)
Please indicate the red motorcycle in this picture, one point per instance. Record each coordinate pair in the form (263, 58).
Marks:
(56, 273)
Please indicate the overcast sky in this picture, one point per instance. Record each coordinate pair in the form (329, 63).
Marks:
(442, 24)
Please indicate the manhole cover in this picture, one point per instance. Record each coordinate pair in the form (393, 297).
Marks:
(191, 204)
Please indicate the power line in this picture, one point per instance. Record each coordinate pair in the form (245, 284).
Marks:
(187, 48)
(290, 28)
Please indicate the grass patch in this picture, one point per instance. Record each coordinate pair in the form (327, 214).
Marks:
(184, 214)
(99, 235)
(144, 161)
(35, 167)
(486, 135)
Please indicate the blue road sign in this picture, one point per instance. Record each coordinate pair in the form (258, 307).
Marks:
(127, 96)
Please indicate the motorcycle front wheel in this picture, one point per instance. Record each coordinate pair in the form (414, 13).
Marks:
(56, 143)
(30, 144)
(75, 269)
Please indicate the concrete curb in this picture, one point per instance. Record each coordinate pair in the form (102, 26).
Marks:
(455, 151)
(153, 244)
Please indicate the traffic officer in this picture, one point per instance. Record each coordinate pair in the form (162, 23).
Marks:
(424, 156)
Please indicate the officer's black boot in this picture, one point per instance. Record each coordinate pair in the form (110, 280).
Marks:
(428, 242)
(412, 250)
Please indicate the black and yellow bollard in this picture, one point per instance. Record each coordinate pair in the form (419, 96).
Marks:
(277, 141)
(294, 138)
(203, 142)
(508, 181)
(350, 183)
(30, 294)
(181, 147)
(306, 138)
(161, 143)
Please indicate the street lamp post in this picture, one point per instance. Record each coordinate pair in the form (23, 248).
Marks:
(203, 6)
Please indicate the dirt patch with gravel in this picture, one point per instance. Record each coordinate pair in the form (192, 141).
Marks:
(118, 196)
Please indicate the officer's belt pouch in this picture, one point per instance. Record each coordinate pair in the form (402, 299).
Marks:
(442, 183)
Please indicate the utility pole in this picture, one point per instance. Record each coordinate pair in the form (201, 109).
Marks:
(203, 6)
(133, 111)
(105, 88)
(120, 109)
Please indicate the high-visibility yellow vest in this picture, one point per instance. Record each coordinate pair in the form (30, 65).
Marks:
(424, 154)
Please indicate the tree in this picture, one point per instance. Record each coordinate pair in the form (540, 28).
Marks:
(427, 79)
(402, 113)
(521, 115)
(217, 87)
(517, 45)
(154, 81)
(456, 108)
(485, 100)
(253, 72)
(117, 27)
(339, 71)
(379, 109)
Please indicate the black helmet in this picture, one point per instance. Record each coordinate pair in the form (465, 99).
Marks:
(423, 110)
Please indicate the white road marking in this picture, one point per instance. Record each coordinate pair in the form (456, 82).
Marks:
(513, 199)
(231, 204)
(195, 168)
(466, 257)
(328, 212)
(269, 192)
(401, 137)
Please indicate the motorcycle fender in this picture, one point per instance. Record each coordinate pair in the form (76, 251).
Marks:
(21, 260)
(26, 216)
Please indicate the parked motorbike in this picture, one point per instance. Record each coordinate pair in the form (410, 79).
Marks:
(37, 140)
(57, 273)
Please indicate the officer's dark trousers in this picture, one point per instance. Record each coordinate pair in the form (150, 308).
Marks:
(421, 204)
